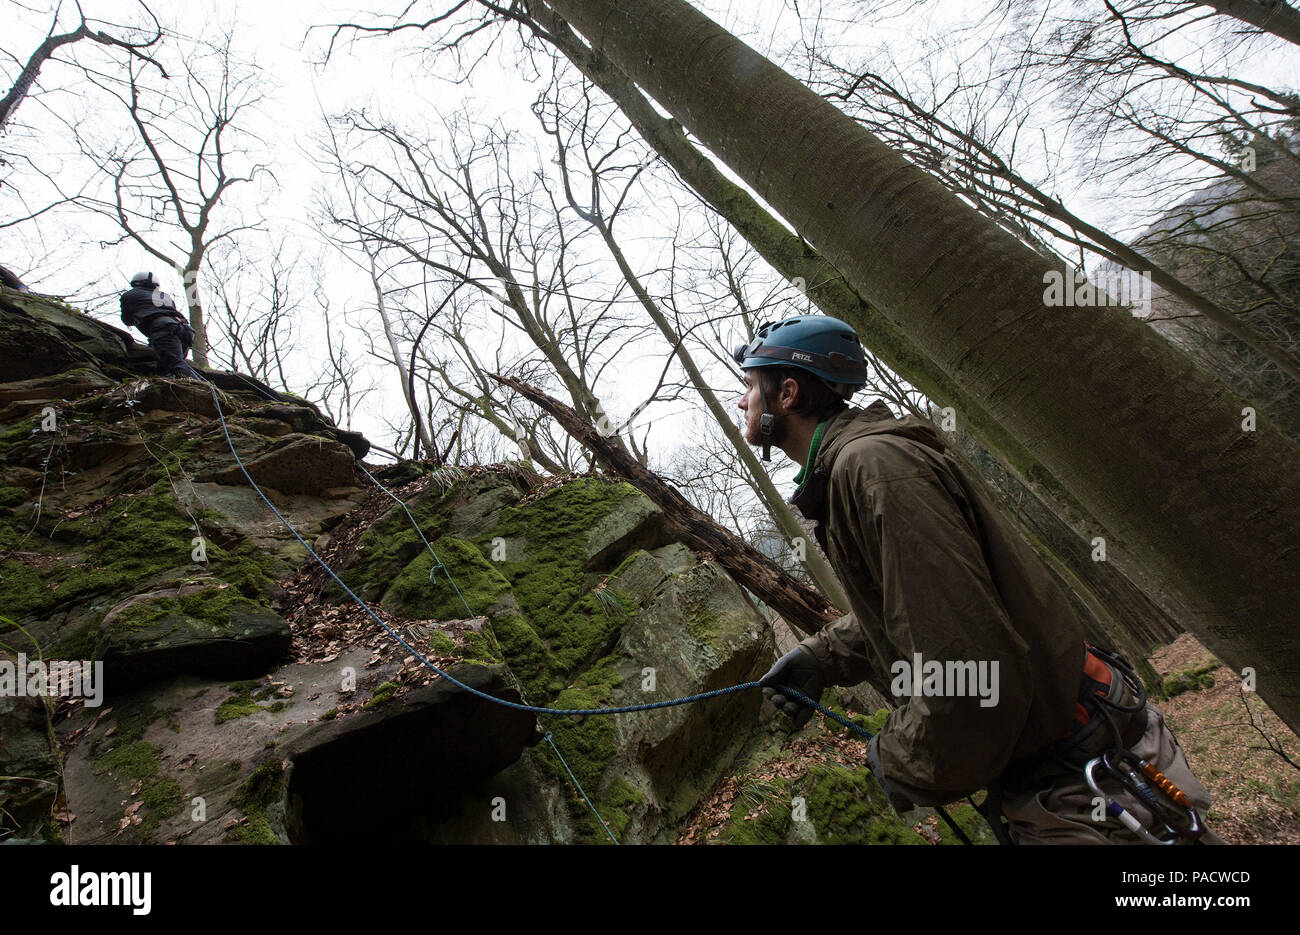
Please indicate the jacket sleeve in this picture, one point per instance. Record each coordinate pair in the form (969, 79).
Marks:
(907, 532)
(842, 651)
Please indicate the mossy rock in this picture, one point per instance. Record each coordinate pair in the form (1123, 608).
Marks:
(261, 798)
(137, 538)
(477, 583)
(214, 633)
(1194, 679)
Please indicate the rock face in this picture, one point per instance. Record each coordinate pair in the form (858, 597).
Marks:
(248, 699)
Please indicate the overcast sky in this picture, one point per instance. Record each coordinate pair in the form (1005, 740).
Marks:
(390, 76)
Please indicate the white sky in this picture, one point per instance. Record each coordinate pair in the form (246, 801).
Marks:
(388, 75)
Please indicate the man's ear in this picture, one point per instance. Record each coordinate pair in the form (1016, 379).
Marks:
(790, 392)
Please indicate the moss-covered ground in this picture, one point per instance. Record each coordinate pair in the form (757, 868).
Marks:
(131, 758)
(261, 791)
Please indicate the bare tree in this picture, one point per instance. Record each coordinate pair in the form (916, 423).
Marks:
(170, 180)
(257, 300)
(460, 213)
(134, 47)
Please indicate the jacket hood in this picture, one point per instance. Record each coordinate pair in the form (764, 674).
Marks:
(876, 419)
(850, 425)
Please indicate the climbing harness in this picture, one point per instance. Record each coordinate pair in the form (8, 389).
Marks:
(534, 709)
(1106, 676)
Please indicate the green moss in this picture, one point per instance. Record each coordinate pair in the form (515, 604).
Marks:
(702, 624)
(133, 539)
(479, 649)
(478, 583)
(389, 544)
(770, 805)
(262, 790)
(330, 715)
(443, 644)
(119, 535)
(12, 496)
(1193, 679)
(548, 579)
(163, 796)
(560, 625)
(526, 653)
(139, 760)
(237, 706)
(134, 760)
(848, 807)
(617, 804)
(28, 592)
(382, 693)
(588, 743)
(873, 722)
(213, 607)
(245, 700)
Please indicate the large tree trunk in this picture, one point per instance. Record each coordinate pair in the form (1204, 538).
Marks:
(1273, 16)
(1016, 471)
(1148, 443)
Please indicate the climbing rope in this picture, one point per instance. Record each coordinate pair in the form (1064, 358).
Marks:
(534, 709)
(438, 565)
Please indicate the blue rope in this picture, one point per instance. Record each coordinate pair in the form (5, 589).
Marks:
(534, 709)
(583, 792)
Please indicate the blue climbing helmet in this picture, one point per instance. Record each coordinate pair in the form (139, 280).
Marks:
(825, 347)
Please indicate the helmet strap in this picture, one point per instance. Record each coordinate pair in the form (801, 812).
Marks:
(766, 424)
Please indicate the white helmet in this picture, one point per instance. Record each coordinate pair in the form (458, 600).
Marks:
(144, 280)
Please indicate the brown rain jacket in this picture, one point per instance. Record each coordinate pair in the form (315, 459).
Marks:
(931, 567)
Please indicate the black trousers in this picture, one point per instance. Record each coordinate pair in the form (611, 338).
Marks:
(170, 340)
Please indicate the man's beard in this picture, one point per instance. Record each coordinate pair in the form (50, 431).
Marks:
(779, 432)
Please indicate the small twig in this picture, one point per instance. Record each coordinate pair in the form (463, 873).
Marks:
(1272, 742)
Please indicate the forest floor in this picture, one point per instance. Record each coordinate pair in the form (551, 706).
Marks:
(1226, 734)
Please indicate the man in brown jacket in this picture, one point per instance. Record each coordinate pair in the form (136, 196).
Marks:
(953, 615)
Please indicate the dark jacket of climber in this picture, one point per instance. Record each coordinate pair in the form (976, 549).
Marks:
(146, 307)
(954, 616)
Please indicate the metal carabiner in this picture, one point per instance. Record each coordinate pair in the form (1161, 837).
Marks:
(1170, 792)
(1114, 809)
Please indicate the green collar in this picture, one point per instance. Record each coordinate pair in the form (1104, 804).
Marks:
(806, 472)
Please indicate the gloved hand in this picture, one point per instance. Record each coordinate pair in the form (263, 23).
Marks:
(899, 801)
(801, 670)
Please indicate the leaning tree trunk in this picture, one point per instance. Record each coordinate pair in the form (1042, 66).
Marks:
(1152, 446)
(800, 605)
(1135, 617)
(1272, 16)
